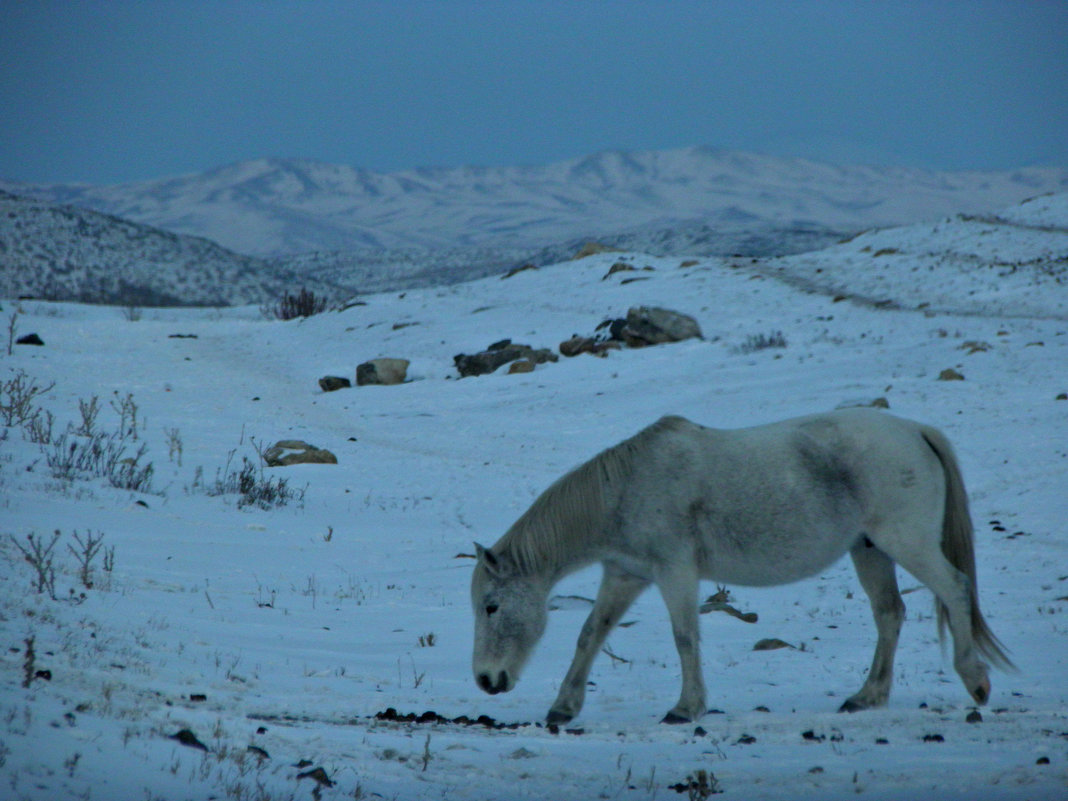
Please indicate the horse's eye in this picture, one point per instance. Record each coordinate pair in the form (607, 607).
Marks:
(491, 608)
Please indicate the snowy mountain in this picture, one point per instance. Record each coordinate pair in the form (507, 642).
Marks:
(180, 642)
(280, 207)
(71, 253)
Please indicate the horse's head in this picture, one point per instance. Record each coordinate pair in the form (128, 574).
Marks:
(510, 617)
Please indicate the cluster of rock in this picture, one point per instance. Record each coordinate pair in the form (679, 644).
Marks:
(523, 358)
(643, 326)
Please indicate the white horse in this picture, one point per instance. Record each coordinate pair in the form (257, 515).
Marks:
(768, 505)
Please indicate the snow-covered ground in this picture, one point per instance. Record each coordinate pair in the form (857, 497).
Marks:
(274, 637)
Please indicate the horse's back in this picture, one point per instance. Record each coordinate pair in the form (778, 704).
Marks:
(877, 459)
(774, 503)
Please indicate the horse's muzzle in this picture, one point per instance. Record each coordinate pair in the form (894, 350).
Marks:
(493, 687)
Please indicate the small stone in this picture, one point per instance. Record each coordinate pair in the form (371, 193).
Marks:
(331, 383)
(975, 716)
(318, 775)
(873, 403)
(517, 270)
(591, 249)
(29, 339)
(949, 374)
(619, 267)
(771, 644)
(187, 738)
(521, 366)
(288, 452)
(576, 345)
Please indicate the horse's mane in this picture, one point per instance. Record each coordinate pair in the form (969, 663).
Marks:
(572, 513)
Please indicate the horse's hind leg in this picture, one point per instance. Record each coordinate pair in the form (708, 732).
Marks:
(877, 576)
(953, 589)
(618, 591)
(679, 589)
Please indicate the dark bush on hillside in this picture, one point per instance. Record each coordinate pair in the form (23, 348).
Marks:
(757, 342)
(304, 304)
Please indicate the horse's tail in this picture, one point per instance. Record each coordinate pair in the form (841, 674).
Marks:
(957, 545)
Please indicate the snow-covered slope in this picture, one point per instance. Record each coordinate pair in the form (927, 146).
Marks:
(275, 637)
(277, 206)
(71, 253)
(1012, 263)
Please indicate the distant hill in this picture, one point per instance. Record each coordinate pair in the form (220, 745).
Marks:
(69, 253)
(1013, 263)
(281, 207)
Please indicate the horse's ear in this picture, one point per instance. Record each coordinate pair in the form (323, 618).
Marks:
(487, 558)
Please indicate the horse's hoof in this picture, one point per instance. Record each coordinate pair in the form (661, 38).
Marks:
(557, 718)
(981, 694)
(851, 706)
(674, 718)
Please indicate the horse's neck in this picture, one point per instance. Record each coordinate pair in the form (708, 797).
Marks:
(567, 527)
(546, 555)
(562, 532)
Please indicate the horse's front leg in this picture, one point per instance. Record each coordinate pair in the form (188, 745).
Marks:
(618, 591)
(679, 588)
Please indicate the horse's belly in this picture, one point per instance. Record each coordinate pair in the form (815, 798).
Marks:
(768, 561)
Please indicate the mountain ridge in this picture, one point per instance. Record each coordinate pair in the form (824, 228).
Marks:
(281, 207)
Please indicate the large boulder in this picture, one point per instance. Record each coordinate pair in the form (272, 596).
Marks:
(497, 354)
(288, 452)
(382, 372)
(651, 325)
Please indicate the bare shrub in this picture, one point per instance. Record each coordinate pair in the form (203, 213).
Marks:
(174, 444)
(89, 409)
(29, 668)
(126, 409)
(12, 332)
(85, 553)
(39, 427)
(39, 556)
(17, 399)
(101, 455)
(755, 342)
(303, 304)
(249, 483)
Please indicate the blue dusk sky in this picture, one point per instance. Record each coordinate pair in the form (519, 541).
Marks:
(107, 92)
